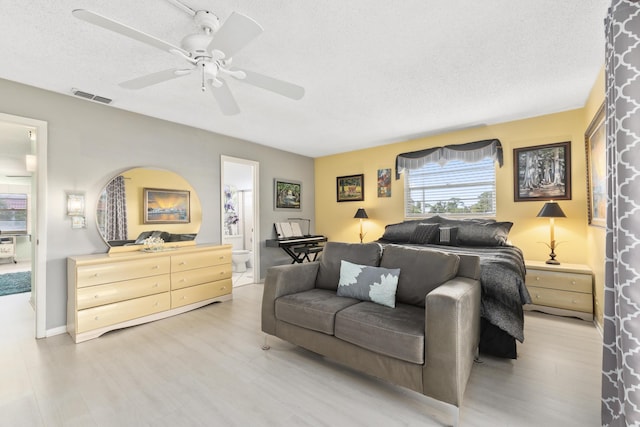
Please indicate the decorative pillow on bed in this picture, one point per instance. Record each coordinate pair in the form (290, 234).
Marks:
(366, 283)
(425, 233)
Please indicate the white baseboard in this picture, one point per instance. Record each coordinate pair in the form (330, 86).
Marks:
(56, 331)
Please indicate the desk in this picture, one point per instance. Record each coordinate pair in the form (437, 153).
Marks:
(298, 248)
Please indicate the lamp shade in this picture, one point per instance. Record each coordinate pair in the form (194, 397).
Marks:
(551, 210)
(361, 213)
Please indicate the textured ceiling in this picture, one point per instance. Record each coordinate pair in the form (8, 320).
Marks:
(375, 71)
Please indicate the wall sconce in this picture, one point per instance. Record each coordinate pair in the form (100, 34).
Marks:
(361, 214)
(75, 204)
(551, 210)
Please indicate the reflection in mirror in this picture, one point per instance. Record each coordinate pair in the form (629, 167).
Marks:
(124, 207)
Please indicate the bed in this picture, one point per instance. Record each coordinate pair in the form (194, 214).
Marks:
(502, 271)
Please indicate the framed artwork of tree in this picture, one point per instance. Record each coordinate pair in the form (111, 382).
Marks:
(542, 172)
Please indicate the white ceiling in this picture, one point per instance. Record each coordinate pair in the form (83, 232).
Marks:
(375, 71)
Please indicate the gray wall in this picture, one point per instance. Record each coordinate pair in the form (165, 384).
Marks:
(89, 143)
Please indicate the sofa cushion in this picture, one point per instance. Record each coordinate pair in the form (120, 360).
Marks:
(314, 309)
(421, 271)
(395, 332)
(334, 252)
(424, 233)
(366, 283)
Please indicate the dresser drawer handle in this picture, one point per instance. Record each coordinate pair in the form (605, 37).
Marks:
(155, 304)
(96, 274)
(183, 263)
(183, 297)
(183, 280)
(221, 257)
(96, 296)
(155, 285)
(573, 282)
(96, 318)
(155, 267)
(537, 296)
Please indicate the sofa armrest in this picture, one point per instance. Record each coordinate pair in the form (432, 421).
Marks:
(452, 334)
(284, 280)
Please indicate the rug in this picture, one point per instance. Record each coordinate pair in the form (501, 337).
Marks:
(15, 283)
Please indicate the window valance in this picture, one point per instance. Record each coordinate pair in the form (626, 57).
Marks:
(469, 152)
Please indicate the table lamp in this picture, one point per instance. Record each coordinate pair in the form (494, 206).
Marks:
(361, 214)
(551, 210)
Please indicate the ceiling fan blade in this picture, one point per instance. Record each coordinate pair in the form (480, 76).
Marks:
(280, 87)
(155, 78)
(236, 32)
(111, 25)
(224, 98)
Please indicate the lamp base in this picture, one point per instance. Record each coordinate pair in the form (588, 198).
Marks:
(552, 261)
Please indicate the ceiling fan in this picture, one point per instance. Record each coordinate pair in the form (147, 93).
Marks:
(208, 52)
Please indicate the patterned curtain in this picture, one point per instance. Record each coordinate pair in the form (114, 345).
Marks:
(116, 210)
(621, 346)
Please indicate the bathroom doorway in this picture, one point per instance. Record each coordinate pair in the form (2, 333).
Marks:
(240, 217)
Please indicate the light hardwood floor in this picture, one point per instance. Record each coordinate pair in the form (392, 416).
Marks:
(206, 368)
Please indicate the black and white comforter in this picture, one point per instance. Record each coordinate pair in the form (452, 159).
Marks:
(502, 274)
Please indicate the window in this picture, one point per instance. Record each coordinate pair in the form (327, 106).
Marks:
(13, 213)
(456, 188)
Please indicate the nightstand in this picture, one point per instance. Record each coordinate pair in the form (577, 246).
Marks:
(565, 289)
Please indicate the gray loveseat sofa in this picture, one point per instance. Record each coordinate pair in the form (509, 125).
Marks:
(426, 342)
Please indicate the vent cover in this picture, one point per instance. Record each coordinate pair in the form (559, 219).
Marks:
(92, 97)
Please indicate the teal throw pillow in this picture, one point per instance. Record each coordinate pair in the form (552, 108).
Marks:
(366, 283)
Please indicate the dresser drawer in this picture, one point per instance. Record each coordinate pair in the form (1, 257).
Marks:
(197, 293)
(93, 296)
(559, 280)
(199, 260)
(97, 274)
(107, 315)
(184, 279)
(576, 301)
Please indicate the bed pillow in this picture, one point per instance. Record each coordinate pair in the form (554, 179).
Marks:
(488, 234)
(366, 283)
(447, 236)
(399, 233)
(425, 233)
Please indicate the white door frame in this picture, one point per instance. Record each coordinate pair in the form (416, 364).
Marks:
(255, 167)
(39, 222)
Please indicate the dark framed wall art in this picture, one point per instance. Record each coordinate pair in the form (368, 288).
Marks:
(542, 172)
(595, 145)
(350, 188)
(162, 206)
(287, 195)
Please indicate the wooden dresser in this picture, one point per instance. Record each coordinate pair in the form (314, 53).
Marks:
(565, 289)
(112, 291)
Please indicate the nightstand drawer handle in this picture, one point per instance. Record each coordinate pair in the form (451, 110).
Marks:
(537, 278)
(573, 282)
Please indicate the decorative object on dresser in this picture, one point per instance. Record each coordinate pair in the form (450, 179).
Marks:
(551, 210)
(113, 291)
(361, 214)
(565, 290)
(542, 172)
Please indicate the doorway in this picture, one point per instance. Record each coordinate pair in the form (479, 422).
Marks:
(23, 156)
(240, 217)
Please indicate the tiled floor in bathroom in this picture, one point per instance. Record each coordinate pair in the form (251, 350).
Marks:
(244, 278)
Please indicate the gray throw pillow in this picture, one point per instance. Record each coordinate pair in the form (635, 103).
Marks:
(488, 234)
(399, 233)
(425, 233)
(375, 284)
(423, 270)
(334, 252)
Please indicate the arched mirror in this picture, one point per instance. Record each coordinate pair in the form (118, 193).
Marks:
(148, 202)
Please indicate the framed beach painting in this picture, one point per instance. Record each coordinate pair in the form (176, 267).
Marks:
(542, 172)
(595, 145)
(162, 206)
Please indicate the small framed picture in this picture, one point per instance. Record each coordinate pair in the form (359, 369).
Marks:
(350, 188)
(287, 195)
(542, 172)
(163, 206)
(384, 182)
(595, 144)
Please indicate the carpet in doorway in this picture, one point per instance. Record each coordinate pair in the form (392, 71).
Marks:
(15, 283)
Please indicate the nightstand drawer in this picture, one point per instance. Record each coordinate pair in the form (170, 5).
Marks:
(576, 301)
(573, 282)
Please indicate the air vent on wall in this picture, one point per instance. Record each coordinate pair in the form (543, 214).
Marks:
(92, 97)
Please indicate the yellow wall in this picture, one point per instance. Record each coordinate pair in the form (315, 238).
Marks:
(335, 220)
(596, 235)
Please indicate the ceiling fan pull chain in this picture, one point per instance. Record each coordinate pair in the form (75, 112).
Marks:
(203, 87)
